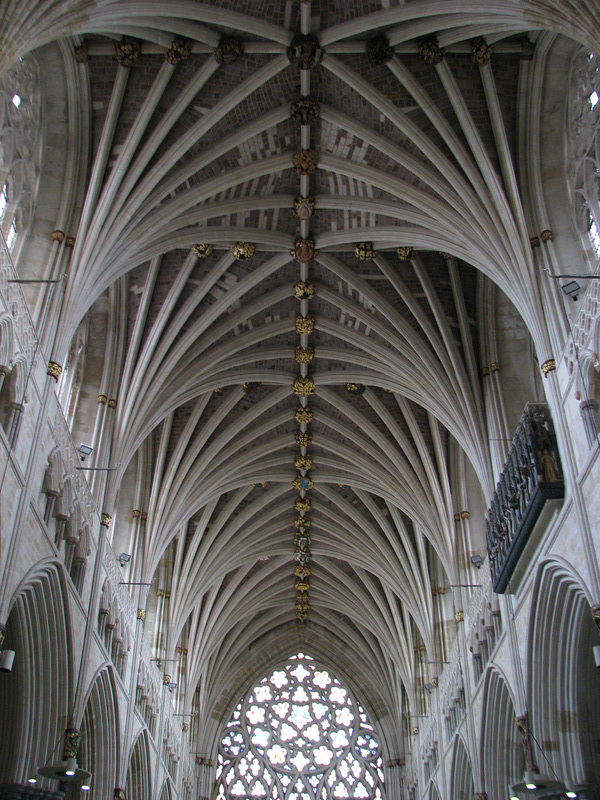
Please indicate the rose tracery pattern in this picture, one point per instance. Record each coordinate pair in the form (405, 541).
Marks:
(299, 735)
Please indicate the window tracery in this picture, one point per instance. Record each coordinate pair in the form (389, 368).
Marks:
(583, 135)
(298, 734)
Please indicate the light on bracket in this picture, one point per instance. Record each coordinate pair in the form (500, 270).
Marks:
(571, 289)
(84, 451)
(536, 782)
(66, 770)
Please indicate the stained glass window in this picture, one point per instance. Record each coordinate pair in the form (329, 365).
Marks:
(299, 735)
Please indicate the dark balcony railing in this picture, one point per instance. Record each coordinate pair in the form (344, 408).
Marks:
(532, 474)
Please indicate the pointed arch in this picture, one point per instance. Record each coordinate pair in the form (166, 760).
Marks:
(35, 697)
(461, 781)
(100, 740)
(139, 784)
(501, 753)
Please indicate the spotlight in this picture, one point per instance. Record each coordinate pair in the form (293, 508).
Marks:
(124, 558)
(7, 658)
(32, 780)
(571, 793)
(171, 686)
(84, 451)
(477, 561)
(85, 787)
(571, 289)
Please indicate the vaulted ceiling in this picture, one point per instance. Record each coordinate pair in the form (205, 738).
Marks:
(355, 373)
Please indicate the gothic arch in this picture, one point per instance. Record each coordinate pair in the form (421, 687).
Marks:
(564, 692)
(35, 696)
(501, 753)
(100, 742)
(461, 780)
(138, 773)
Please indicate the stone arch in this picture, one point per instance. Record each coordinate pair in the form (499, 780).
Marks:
(100, 746)
(563, 680)
(461, 780)
(138, 771)
(35, 696)
(501, 753)
(165, 793)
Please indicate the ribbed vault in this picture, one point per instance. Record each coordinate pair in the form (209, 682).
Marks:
(190, 141)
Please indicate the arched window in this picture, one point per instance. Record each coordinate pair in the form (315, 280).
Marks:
(299, 734)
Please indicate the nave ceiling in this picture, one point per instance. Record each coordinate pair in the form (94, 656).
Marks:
(417, 148)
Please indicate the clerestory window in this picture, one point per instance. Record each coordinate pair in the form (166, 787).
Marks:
(299, 734)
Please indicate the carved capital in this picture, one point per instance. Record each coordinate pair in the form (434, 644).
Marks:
(305, 161)
(355, 388)
(303, 387)
(303, 414)
(58, 236)
(379, 50)
(105, 520)
(304, 355)
(459, 616)
(304, 290)
(179, 51)
(364, 251)
(229, 50)
(303, 438)
(430, 51)
(81, 52)
(406, 253)
(481, 52)
(304, 51)
(71, 746)
(141, 614)
(70, 242)
(202, 249)
(127, 51)
(547, 235)
(548, 366)
(54, 370)
(242, 251)
(102, 398)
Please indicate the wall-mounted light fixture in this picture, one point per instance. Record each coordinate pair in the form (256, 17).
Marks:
(84, 451)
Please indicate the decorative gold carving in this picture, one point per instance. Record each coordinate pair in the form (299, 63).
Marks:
(105, 520)
(480, 796)
(218, 390)
(304, 110)
(302, 586)
(251, 386)
(112, 403)
(364, 251)
(302, 483)
(547, 235)
(495, 366)
(102, 398)
(141, 614)
(305, 161)
(179, 51)
(304, 207)
(54, 370)
(81, 52)
(304, 355)
(446, 255)
(202, 249)
(305, 325)
(304, 51)
(485, 371)
(304, 250)
(303, 462)
(58, 236)
(303, 414)
(136, 513)
(242, 251)
(378, 49)
(303, 387)
(127, 51)
(229, 50)
(70, 242)
(262, 484)
(441, 590)
(457, 518)
(302, 504)
(303, 439)
(459, 616)
(465, 514)
(415, 730)
(406, 253)
(185, 727)
(304, 290)
(534, 241)
(548, 366)
(430, 51)
(71, 745)
(481, 52)
(166, 679)
(119, 794)
(302, 601)
(302, 522)
(144, 516)
(355, 388)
